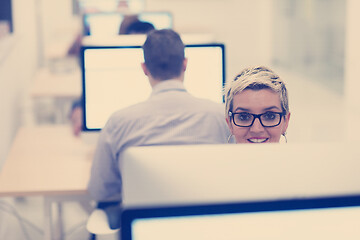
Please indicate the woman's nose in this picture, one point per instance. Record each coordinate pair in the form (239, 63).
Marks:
(257, 126)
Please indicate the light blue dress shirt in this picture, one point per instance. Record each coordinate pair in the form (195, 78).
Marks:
(171, 116)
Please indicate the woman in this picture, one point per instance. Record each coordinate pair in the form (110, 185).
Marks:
(257, 109)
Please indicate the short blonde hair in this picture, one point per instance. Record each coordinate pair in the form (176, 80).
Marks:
(256, 78)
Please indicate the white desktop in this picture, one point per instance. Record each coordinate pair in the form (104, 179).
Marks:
(198, 174)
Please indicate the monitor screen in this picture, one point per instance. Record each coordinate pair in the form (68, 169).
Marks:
(330, 218)
(108, 23)
(113, 78)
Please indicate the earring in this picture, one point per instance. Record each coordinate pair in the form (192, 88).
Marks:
(228, 140)
(284, 134)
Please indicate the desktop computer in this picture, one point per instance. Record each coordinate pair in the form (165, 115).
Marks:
(241, 191)
(113, 78)
(330, 218)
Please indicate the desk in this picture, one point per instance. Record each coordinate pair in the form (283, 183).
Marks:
(47, 161)
(56, 84)
(61, 87)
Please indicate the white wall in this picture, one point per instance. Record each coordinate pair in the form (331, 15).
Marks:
(352, 52)
(16, 70)
(59, 26)
(352, 65)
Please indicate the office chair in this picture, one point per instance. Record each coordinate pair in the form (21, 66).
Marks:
(98, 224)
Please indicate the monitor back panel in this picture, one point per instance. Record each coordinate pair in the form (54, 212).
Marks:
(192, 174)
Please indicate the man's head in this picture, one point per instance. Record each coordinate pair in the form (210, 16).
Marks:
(164, 55)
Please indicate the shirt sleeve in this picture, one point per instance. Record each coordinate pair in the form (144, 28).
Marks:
(105, 179)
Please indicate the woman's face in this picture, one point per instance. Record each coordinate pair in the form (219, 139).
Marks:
(257, 102)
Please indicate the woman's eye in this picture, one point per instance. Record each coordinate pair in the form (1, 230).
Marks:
(269, 116)
(244, 116)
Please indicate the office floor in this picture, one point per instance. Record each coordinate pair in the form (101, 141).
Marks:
(317, 114)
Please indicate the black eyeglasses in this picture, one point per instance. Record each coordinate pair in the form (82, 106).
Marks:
(267, 119)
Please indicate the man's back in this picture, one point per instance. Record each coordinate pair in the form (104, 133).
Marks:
(171, 116)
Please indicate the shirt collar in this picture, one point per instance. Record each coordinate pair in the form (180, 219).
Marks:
(168, 85)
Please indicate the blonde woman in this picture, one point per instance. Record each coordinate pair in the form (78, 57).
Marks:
(257, 106)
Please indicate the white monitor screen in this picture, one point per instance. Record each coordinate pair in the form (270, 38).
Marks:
(108, 23)
(113, 78)
(327, 218)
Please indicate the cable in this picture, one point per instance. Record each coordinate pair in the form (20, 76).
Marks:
(6, 207)
(76, 227)
(36, 228)
(17, 216)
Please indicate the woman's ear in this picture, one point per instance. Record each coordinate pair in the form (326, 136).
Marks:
(229, 124)
(287, 118)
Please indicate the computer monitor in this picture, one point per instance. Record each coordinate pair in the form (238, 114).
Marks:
(330, 218)
(95, 5)
(207, 174)
(113, 78)
(108, 23)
